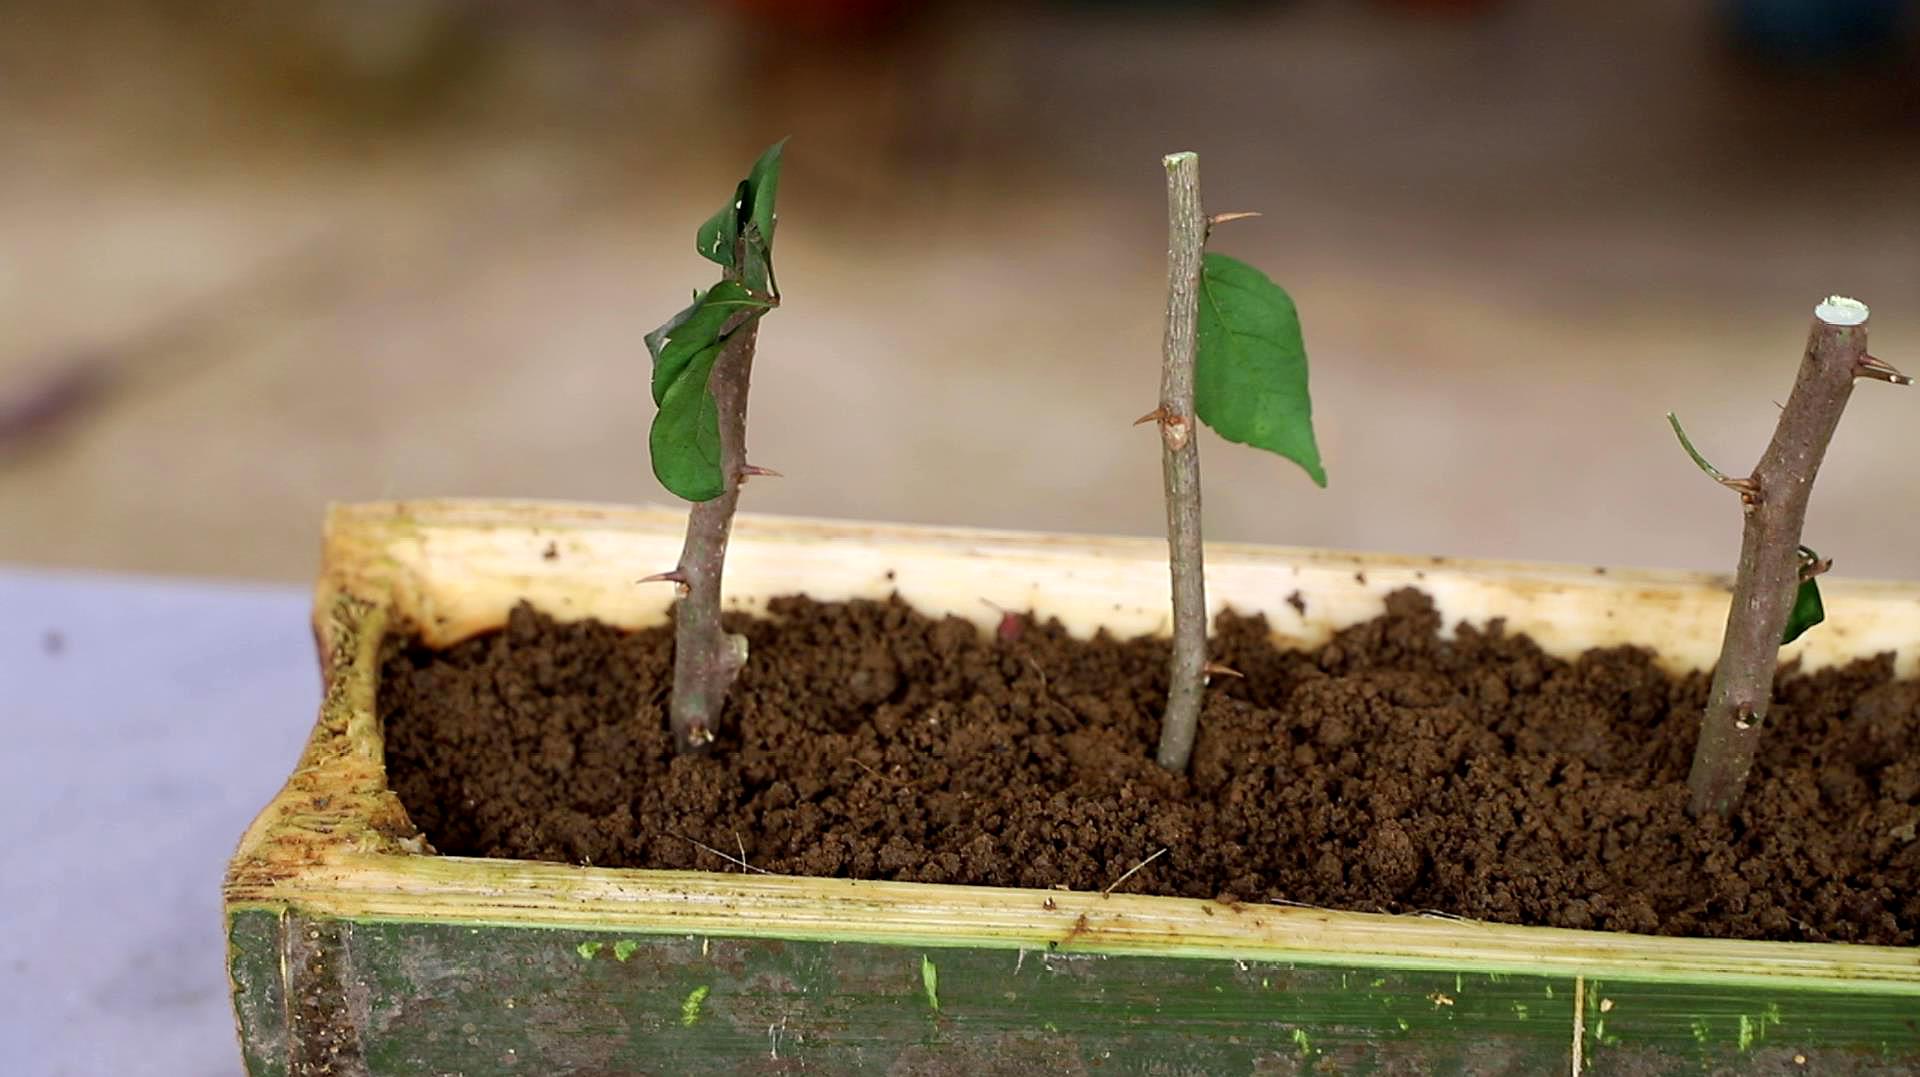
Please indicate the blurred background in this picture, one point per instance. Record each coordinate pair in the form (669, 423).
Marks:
(255, 258)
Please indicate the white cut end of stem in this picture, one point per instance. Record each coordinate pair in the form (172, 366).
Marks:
(1839, 310)
(1173, 159)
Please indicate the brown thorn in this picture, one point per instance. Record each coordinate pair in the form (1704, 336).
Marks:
(675, 577)
(1819, 567)
(1157, 415)
(1869, 367)
(1216, 669)
(752, 471)
(1223, 218)
(1748, 489)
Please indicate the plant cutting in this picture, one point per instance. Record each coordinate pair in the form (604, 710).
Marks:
(702, 367)
(1232, 356)
(1776, 595)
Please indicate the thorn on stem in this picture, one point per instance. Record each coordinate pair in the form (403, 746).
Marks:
(675, 577)
(1213, 669)
(1870, 367)
(1174, 429)
(752, 471)
(1223, 218)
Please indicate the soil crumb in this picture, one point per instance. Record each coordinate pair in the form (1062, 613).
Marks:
(1389, 770)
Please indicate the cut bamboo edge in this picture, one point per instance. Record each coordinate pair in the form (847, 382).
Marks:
(337, 842)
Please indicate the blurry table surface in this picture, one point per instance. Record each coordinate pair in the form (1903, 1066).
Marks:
(145, 722)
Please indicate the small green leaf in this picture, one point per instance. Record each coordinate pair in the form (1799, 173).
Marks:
(1250, 374)
(716, 239)
(750, 216)
(1808, 610)
(685, 439)
(764, 187)
(695, 330)
(758, 220)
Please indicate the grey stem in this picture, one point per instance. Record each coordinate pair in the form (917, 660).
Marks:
(1180, 458)
(705, 659)
(1769, 572)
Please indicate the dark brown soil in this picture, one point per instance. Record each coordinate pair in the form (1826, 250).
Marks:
(1390, 770)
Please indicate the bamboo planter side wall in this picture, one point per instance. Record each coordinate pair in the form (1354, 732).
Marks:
(353, 952)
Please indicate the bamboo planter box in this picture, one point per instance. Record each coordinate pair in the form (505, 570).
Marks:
(352, 950)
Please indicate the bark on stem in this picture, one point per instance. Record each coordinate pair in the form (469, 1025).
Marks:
(1180, 460)
(705, 658)
(1769, 572)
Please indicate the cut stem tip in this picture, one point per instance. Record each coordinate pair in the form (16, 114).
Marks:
(1841, 311)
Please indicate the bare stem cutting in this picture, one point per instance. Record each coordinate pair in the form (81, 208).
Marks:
(1773, 563)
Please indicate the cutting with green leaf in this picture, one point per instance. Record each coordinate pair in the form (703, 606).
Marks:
(1234, 358)
(702, 367)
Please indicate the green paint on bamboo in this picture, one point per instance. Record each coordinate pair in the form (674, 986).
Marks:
(690, 1009)
(588, 950)
(930, 979)
(624, 949)
(1302, 1041)
(1701, 1031)
(1520, 1010)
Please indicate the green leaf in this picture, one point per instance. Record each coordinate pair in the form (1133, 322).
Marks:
(1250, 374)
(1808, 610)
(694, 330)
(717, 238)
(757, 222)
(685, 439)
(763, 185)
(751, 216)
